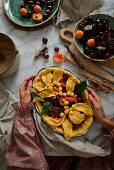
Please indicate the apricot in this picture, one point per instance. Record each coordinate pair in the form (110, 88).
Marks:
(37, 17)
(79, 34)
(37, 9)
(91, 42)
(23, 11)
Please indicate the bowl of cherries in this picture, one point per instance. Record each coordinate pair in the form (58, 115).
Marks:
(94, 37)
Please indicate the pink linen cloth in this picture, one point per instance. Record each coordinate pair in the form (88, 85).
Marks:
(24, 150)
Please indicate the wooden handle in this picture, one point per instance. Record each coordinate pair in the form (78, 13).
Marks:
(64, 37)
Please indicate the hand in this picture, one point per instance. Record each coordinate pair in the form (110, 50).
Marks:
(99, 112)
(25, 93)
(97, 106)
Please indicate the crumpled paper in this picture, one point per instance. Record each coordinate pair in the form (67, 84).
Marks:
(74, 10)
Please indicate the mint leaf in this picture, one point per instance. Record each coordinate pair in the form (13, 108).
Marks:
(82, 86)
(36, 95)
(45, 108)
(101, 48)
(88, 27)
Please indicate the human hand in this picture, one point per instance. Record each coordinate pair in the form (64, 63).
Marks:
(24, 90)
(97, 106)
(99, 112)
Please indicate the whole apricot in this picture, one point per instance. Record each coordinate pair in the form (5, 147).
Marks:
(91, 42)
(23, 11)
(79, 34)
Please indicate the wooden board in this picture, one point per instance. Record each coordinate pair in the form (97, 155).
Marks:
(89, 65)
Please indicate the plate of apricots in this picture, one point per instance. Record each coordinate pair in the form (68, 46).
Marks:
(94, 37)
(31, 14)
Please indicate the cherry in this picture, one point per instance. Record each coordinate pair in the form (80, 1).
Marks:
(48, 3)
(109, 29)
(111, 48)
(46, 55)
(42, 2)
(56, 49)
(98, 43)
(32, 7)
(107, 56)
(102, 38)
(92, 55)
(44, 40)
(56, 110)
(100, 26)
(52, 2)
(38, 3)
(29, 14)
(103, 43)
(85, 22)
(106, 33)
(22, 5)
(100, 33)
(25, 1)
(86, 50)
(31, 2)
(45, 16)
(49, 7)
(79, 99)
(47, 12)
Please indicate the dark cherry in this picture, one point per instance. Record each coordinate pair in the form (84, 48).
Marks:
(106, 33)
(79, 100)
(46, 55)
(29, 14)
(85, 22)
(32, 7)
(52, 2)
(100, 25)
(47, 11)
(109, 29)
(48, 3)
(42, 2)
(111, 48)
(86, 50)
(107, 56)
(25, 1)
(103, 43)
(31, 2)
(101, 33)
(102, 38)
(53, 98)
(49, 7)
(44, 40)
(92, 55)
(45, 16)
(38, 3)
(98, 43)
(50, 110)
(56, 49)
(22, 5)
(56, 110)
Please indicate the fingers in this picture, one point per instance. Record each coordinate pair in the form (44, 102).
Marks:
(30, 78)
(94, 95)
(23, 86)
(93, 101)
(29, 86)
(25, 83)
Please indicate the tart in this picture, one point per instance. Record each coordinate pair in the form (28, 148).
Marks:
(69, 113)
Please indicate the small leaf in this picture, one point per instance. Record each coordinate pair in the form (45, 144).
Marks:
(45, 108)
(36, 95)
(82, 86)
(88, 27)
(101, 48)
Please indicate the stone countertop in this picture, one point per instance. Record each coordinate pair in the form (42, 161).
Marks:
(28, 42)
